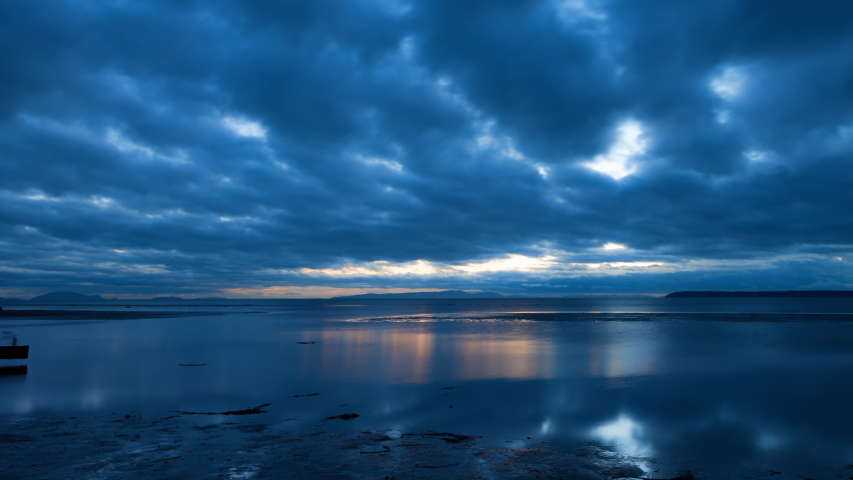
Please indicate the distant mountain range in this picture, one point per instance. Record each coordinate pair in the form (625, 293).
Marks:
(442, 294)
(79, 297)
(769, 294)
(173, 299)
(66, 296)
(459, 294)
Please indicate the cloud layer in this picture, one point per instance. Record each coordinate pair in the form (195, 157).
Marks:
(195, 147)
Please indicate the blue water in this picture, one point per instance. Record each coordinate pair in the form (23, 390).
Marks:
(701, 383)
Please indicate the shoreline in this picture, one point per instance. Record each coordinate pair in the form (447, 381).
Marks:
(116, 446)
(174, 446)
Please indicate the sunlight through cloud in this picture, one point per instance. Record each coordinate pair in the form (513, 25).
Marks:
(381, 162)
(510, 263)
(755, 155)
(729, 84)
(244, 127)
(125, 145)
(570, 11)
(619, 161)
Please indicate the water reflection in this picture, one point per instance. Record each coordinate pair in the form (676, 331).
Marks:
(420, 355)
(386, 355)
(620, 350)
(425, 350)
(733, 392)
(480, 357)
(625, 434)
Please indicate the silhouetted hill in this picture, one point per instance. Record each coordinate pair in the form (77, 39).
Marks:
(167, 298)
(54, 296)
(442, 294)
(769, 294)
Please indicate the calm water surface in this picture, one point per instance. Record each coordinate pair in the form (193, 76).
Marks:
(703, 382)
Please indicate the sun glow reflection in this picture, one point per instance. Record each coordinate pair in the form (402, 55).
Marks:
(482, 357)
(395, 356)
(411, 356)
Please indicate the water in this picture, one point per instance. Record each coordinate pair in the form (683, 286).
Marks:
(705, 383)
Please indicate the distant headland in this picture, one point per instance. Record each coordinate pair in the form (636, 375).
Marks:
(67, 296)
(79, 297)
(768, 294)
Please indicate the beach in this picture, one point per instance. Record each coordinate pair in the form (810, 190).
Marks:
(333, 389)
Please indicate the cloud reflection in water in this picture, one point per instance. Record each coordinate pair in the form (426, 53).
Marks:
(625, 434)
(621, 351)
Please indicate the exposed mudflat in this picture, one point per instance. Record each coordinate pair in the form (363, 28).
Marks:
(467, 393)
(122, 446)
(178, 446)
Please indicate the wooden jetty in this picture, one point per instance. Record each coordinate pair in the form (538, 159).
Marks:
(13, 352)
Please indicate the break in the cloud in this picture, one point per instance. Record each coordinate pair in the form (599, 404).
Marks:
(302, 147)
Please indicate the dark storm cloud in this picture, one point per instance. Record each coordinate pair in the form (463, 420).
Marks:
(192, 146)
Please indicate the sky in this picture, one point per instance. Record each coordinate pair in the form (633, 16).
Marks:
(311, 149)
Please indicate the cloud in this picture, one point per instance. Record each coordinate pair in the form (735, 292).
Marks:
(244, 128)
(619, 161)
(424, 144)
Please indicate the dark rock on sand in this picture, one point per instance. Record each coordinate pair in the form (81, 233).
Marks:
(686, 475)
(247, 411)
(345, 416)
(446, 436)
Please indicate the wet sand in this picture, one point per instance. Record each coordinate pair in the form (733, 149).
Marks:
(175, 446)
(114, 446)
(362, 360)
